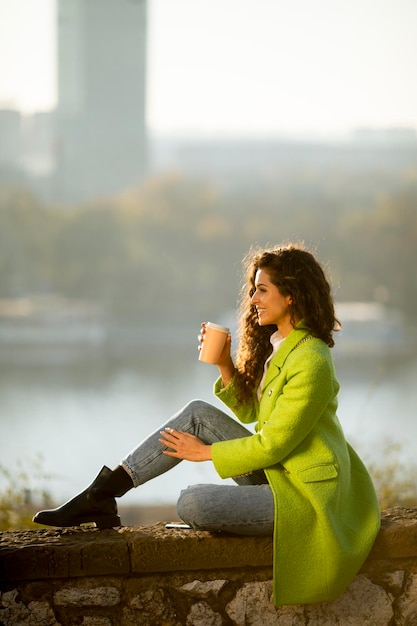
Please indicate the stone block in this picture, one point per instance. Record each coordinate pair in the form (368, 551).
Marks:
(96, 596)
(407, 604)
(155, 549)
(16, 613)
(203, 589)
(201, 614)
(36, 555)
(152, 607)
(398, 535)
(362, 603)
(89, 620)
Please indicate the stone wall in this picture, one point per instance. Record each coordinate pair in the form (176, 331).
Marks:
(152, 576)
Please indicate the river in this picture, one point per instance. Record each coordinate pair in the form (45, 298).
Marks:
(80, 416)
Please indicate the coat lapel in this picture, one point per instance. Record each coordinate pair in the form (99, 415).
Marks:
(278, 360)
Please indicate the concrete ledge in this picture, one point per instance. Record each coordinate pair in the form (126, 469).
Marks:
(150, 575)
(49, 554)
(398, 535)
(77, 552)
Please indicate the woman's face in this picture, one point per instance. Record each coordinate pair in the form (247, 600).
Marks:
(271, 306)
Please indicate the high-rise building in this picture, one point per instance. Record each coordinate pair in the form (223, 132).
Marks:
(101, 145)
(10, 142)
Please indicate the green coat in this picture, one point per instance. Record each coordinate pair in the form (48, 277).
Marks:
(326, 510)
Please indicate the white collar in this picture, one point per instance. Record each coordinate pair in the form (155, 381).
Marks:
(276, 338)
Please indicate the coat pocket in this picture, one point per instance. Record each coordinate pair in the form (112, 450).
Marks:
(317, 473)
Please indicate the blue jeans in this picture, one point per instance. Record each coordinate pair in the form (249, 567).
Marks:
(246, 509)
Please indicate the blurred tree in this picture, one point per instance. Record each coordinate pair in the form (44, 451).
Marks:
(383, 251)
(90, 253)
(172, 249)
(27, 235)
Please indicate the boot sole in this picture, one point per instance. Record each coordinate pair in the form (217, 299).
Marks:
(103, 521)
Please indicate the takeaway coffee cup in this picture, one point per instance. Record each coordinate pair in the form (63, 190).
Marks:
(214, 342)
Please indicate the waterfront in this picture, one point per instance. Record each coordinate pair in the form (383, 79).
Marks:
(80, 416)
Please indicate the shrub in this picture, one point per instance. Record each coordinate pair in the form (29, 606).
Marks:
(395, 483)
(18, 495)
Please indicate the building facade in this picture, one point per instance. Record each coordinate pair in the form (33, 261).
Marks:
(101, 144)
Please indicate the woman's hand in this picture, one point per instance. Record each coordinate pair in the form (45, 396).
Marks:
(184, 446)
(225, 361)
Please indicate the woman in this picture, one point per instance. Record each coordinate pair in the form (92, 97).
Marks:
(299, 480)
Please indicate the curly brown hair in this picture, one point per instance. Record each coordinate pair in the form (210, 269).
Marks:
(296, 273)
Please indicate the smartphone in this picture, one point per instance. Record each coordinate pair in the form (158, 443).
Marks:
(178, 526)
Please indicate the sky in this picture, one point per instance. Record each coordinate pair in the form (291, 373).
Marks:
(251, 67)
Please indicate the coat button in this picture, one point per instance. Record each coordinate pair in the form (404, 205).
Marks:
(270, 392)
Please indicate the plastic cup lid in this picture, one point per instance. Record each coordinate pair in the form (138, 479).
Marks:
(224, 329)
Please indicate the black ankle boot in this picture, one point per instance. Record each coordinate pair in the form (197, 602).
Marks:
(95, 504)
